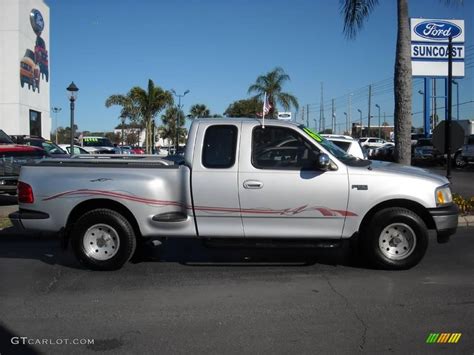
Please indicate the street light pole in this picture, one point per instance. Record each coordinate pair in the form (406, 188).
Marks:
(177, 116)
(457, 98)
(377, 105)
(347, 123)
(73, 89)
(56, 110)
(360, 122)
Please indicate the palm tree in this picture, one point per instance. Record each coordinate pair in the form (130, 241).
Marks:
(144, 106)
(355, 12)
(199, 111)
(168, 129)
(272, 84)
(129, 110)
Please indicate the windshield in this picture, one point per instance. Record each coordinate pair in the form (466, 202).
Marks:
(52, 148)
(97, 142)
(4, 138)
(334, 149)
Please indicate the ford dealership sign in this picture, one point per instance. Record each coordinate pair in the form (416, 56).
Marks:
(437, 30)
(429, 47)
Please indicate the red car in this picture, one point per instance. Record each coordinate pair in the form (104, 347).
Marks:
(12, 157)
(137, 150)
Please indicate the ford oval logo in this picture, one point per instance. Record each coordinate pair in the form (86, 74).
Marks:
(437, 30)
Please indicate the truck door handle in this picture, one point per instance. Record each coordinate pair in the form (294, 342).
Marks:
(253, 184)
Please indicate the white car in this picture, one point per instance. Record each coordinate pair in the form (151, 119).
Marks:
(373, 142)
(347, 143)
(77, 149)
(99, 145)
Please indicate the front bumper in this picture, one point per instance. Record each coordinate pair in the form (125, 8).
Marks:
(446, 221)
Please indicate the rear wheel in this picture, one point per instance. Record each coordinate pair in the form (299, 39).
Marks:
(395, 239)
(459, 161)
(103, 239)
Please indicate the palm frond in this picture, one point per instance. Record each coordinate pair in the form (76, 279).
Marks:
(355, 12)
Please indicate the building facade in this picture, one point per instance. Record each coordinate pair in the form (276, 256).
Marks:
(24, 68)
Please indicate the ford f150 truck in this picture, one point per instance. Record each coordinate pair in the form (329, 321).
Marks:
(241, 183)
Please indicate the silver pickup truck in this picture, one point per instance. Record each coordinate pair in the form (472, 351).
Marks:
(241, 183)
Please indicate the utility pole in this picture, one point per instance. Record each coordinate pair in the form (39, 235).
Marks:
(307, 115)
(435, 114)
(302, 115)
(333, 117)
(350, 117)
(56, 110)
(370, 98)
(384, 121)
(321, 110)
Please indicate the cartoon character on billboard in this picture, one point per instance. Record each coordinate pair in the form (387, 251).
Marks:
(34, 64)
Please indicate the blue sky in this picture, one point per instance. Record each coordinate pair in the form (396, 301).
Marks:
(216, 49)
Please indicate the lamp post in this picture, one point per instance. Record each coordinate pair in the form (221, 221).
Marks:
(179, 96)
(360, 122)
(457, 98)
(377, 105)
(347, 123)
(73, 89)
(56, 110)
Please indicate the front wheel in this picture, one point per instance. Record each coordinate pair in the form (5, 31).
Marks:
(395, 239)
(103, 239)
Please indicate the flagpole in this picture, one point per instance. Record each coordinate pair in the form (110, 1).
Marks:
(263, 111)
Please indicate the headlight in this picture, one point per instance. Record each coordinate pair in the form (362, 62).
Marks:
(443, 196)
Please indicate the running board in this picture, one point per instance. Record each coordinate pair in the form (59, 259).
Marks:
(273, 243)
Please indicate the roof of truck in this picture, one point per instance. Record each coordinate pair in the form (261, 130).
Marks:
(247, 119)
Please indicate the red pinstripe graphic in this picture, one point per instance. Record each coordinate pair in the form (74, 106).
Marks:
(324, 211)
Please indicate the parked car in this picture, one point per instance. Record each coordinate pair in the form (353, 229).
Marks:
(52, 149)
(231, 191)
(12, 158)
(137, 150)
(348, 144)
(99, 145)
(426, 152)
(125, 149)
(373, 142)
(384, 153)
(77, 149)
(466, 154)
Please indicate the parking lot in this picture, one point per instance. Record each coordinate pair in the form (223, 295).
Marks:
(185, 298)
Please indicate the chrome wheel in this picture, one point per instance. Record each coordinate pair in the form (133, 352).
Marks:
(397, 241)
(101, 242)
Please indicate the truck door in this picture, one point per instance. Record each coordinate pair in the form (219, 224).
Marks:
(214, 181)
(282, 193)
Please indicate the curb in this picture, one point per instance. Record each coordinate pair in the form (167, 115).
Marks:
(466, 221)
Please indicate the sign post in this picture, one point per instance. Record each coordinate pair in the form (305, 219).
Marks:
(437, 51)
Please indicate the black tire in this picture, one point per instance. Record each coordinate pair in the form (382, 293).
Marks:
(116, 228)
(459, 162)
(393, 223)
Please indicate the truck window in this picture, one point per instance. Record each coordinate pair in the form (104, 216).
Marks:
(220, 144)
(282, 149)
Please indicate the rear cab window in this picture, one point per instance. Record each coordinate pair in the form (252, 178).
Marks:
(220, 146)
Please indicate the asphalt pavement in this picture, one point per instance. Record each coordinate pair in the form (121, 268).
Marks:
(182, 298)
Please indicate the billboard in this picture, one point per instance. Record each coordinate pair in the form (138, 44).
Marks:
(429, 47)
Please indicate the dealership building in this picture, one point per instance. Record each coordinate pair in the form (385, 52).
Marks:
(24, 68)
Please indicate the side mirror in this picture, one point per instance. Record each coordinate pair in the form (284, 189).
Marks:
(323, 161)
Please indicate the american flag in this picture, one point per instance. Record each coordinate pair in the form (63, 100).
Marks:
(266, 107)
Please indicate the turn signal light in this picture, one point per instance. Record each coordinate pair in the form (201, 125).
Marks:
(25, 193)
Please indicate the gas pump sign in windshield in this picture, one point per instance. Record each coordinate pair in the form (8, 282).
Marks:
(429, 47)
